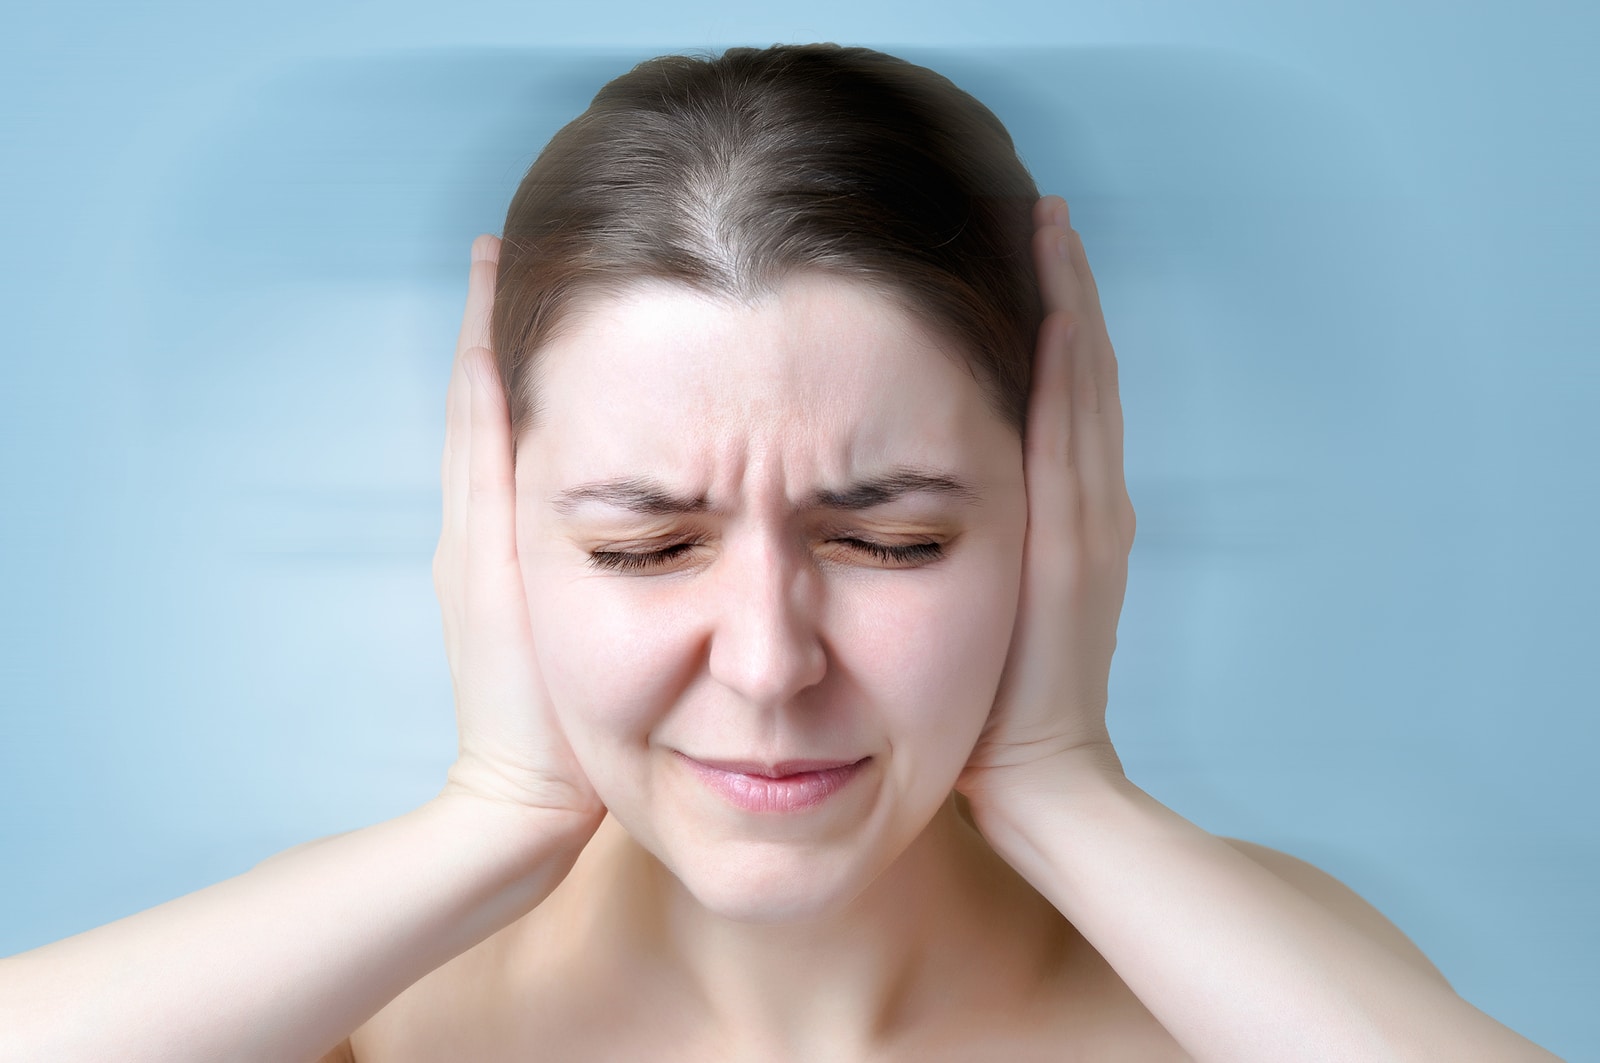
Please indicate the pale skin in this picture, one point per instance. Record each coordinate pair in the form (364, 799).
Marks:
(747, 644)
(571, 894)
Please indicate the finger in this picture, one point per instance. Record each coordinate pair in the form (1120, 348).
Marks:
(456, 460)
(1099, 435)
(1090, 426)
(1050, 456)
(458, 409)
(1050, 467)
(453, 480)
(474, 332)
(1057, 290)
(480, 295)
(1079, 261)
(1049, 210)
(1093, 411)
(1053, 211)
(457, 453)
(490, 523)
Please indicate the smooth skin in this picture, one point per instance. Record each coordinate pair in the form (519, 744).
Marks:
(511, 749)
(1254, 955)
(1240, 958)
(1320, 973)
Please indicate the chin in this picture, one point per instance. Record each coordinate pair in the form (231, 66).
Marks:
(749, 896)
(776, 870)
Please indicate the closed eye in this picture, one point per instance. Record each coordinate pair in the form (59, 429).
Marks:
(913, 554)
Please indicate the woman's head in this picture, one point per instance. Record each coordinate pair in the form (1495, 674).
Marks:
(743, 285)
(727, 175)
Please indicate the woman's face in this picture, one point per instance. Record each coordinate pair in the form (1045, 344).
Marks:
(765, 633)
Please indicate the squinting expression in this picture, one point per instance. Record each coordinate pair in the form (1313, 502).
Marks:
(792, 532)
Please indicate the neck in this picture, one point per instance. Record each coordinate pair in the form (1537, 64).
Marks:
(949, 925)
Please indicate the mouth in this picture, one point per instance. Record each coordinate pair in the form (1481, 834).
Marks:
(782, 769)
(787, 786)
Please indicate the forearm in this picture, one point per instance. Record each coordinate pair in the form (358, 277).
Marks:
(282, 962)
(1235, 963)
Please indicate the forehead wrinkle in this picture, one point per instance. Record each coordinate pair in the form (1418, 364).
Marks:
(733, 439)
(781, 401)
(645, 495)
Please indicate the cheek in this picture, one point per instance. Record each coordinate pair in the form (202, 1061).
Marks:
(595, 666)
(916, 661)
(935, 659)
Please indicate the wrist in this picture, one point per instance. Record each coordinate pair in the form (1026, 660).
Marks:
(538, 834)
(1016, 806)
(1089, 767)
(543, 800)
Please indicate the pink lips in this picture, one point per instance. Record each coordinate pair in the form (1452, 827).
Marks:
(788, 786)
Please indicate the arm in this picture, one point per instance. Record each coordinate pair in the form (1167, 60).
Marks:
(1237, 963)
(1341, 900)
(1234, 959)
(281, 962)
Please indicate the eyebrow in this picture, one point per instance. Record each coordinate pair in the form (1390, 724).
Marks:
(650, 497)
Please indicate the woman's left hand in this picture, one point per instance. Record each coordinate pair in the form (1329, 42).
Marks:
(1049, 714)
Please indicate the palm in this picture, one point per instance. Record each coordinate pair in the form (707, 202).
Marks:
(1052, 695)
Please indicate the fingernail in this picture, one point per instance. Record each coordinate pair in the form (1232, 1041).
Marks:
(1063, 250)
(480, 248)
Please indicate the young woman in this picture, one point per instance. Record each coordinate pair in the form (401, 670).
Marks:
(785, 539)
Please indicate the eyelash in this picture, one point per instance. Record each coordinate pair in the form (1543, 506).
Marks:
(610, 559)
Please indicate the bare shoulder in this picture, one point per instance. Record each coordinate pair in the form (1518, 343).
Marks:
(469, 1007)
(1340, 899)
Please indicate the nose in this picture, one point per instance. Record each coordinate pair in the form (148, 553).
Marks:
(766, 641)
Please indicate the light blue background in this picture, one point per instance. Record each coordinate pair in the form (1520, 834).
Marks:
(1347, 251)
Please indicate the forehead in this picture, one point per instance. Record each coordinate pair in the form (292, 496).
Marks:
(823, 375)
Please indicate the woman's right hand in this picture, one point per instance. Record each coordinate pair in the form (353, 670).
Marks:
(511, 749)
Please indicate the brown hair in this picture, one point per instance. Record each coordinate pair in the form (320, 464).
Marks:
(727, 173)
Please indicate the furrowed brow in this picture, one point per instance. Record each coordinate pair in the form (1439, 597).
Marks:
(651, 498)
